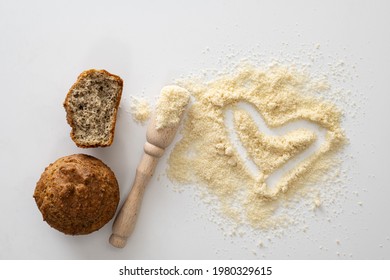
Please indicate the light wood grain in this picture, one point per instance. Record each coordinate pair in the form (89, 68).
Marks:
(157, 142)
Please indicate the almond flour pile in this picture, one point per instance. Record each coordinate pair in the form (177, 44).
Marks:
(140, 110)
(206, 155)
(172, 103)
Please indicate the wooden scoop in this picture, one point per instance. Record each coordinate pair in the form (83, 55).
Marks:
(157, 141)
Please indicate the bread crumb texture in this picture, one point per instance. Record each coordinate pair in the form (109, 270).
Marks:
(91, 106)
(140, 110)
(77, 194)
(207, 156)
(172, 103)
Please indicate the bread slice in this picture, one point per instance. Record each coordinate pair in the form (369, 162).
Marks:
(91, 107)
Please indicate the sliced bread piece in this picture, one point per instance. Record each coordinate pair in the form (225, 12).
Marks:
(91, 107)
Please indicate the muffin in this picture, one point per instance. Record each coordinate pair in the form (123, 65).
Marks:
(91, 108)
(77, 194)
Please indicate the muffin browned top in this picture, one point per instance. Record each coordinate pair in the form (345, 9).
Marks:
(77, 194)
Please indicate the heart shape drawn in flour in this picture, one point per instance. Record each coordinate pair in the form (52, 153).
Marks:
(276, 157)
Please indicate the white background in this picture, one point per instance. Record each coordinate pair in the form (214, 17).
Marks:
(46, 44)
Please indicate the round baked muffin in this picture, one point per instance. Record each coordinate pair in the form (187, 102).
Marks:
(77, 194)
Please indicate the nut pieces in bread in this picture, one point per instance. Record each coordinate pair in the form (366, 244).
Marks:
(91, 108)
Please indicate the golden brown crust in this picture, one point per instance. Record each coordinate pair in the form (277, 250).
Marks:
(77, 194)
(69, 117)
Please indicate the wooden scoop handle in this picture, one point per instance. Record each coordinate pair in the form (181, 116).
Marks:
(125, 221)
(157, 142)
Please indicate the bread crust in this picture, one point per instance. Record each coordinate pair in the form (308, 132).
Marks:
(77, 194)
(69, 115)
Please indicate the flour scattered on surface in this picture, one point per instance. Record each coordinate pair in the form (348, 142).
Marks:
(140, 110)
(313, 202)
(207, 157)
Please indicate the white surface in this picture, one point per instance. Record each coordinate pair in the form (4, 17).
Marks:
(45, 45)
